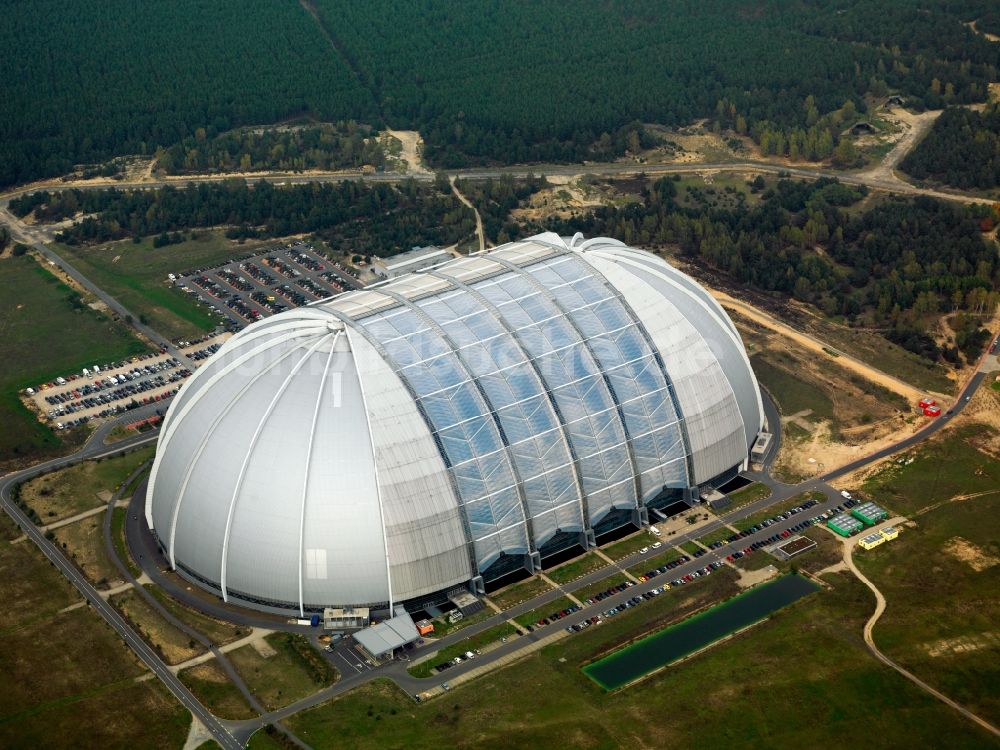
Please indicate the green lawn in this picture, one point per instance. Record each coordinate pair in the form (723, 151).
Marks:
(719, 535)
(797, 680)
(294, 671)
(530, 618)
(473, 643)
(654, 562)
(118, 539)
(136, 275)
(690, 548)
(940, 580)
(626, 547)
(442, 627)
(576, 568)
(519, 592)
(942, 468)
(45, 331)
(68, 679)
(746, 495)
(603, 585)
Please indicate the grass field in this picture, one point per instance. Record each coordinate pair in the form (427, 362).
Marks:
(136, 275)
(442, 627)
(72, 490)
(212, 687)
(519, 592)
(118, 539)
(940, 580)
(690, 547)
(173, 645)
(45, 332)
(473, 643)
(83, 543)
(882, 354)
(626, 547)
(654, 562)
(68, 675)
(530, 618)
(746, 495)
(947, 466)
(719, 535)
(576, 568)
(292, 672)
(603, 585)
(273, 740)
(792, 393)
(712, 700)
(217, 631)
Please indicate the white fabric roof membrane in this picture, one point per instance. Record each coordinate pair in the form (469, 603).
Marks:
(394, 442)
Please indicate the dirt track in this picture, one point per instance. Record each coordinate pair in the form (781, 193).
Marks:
(894, 384)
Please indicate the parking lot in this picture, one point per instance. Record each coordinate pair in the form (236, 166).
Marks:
(109, 388)
(275, 279)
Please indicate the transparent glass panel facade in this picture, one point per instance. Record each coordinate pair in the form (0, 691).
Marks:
(537, 446)
(630, 365)
(574, 381)
(463, 428)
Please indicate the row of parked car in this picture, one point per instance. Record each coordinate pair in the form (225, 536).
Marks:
(664, 568)
(118, 408)
(205, 353)
(130, 390)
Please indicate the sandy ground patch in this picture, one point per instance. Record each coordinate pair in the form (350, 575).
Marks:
(910, 128)
(809, 342)
(750, 578)
(263, 648)
(971, 554)
(962, 645)
(412, 147)
(562, 200)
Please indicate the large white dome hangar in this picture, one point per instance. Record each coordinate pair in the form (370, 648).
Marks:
(444, 428)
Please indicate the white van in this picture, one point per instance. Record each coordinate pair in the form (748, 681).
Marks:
(845, 494)
(654, 530)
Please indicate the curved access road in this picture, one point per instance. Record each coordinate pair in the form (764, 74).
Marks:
(880, 606)
(94, 449)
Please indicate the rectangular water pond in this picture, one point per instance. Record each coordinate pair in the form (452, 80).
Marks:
(688, 636)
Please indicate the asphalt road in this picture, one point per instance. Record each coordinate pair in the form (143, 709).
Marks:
(93, 449)
(537, 170)
(931, 428)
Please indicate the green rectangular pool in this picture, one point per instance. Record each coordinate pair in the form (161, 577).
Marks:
(686, 637)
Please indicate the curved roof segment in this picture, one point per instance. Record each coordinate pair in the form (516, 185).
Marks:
(396, 441)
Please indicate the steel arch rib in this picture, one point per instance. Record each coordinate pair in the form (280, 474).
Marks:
(252, 336)
(309, 451)
(175, 418)
(470, 378)
(246, 459)
(545, 390)
(736, 342)
(378, 480)
(604, 376)
(351, 325)
(203, 443)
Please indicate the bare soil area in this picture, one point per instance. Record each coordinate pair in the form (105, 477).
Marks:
(969, 553)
